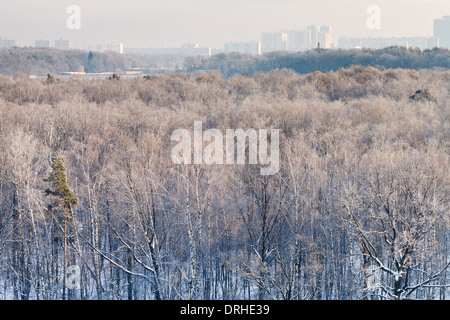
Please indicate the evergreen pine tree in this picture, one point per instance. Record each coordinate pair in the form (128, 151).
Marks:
(65, 199)
(89, 68)
(62, 209)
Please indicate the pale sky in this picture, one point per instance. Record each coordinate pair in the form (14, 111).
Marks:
(170, 23)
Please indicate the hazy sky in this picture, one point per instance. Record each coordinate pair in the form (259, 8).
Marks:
(143, 23)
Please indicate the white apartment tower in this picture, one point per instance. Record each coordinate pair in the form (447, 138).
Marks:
(314, 36)
(274, 41)
(441, 30)
(325, 38)
(299, 40)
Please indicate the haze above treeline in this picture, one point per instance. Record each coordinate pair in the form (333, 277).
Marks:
(209, 23)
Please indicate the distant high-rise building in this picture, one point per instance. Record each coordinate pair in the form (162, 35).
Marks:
(314, 36)
(274, 41)
(8, 43)
(42, 43)
(442, 31)
(298, 40)
(325, 29)
(114, 47)
(325, 37)
(433, 42)
(243, 47)
(98, 47)
(324, 40)
(62, 44)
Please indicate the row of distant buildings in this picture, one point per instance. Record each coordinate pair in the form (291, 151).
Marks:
(64, 44)
(192, 49)
(7, 43)
(440, 39)
(298, 40)
(94, 46)
(59, 44)
(286, 40)
(321, 37)
(379, 43)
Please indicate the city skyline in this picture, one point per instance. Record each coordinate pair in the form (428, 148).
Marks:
(312, 36)
(209, 23)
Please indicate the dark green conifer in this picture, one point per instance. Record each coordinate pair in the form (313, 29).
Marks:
(65, 199)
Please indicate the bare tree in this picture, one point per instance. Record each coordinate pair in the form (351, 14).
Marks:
(395, 205)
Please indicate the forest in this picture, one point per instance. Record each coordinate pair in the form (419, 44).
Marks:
(42, 61)
(322, 60)
(88, 190)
